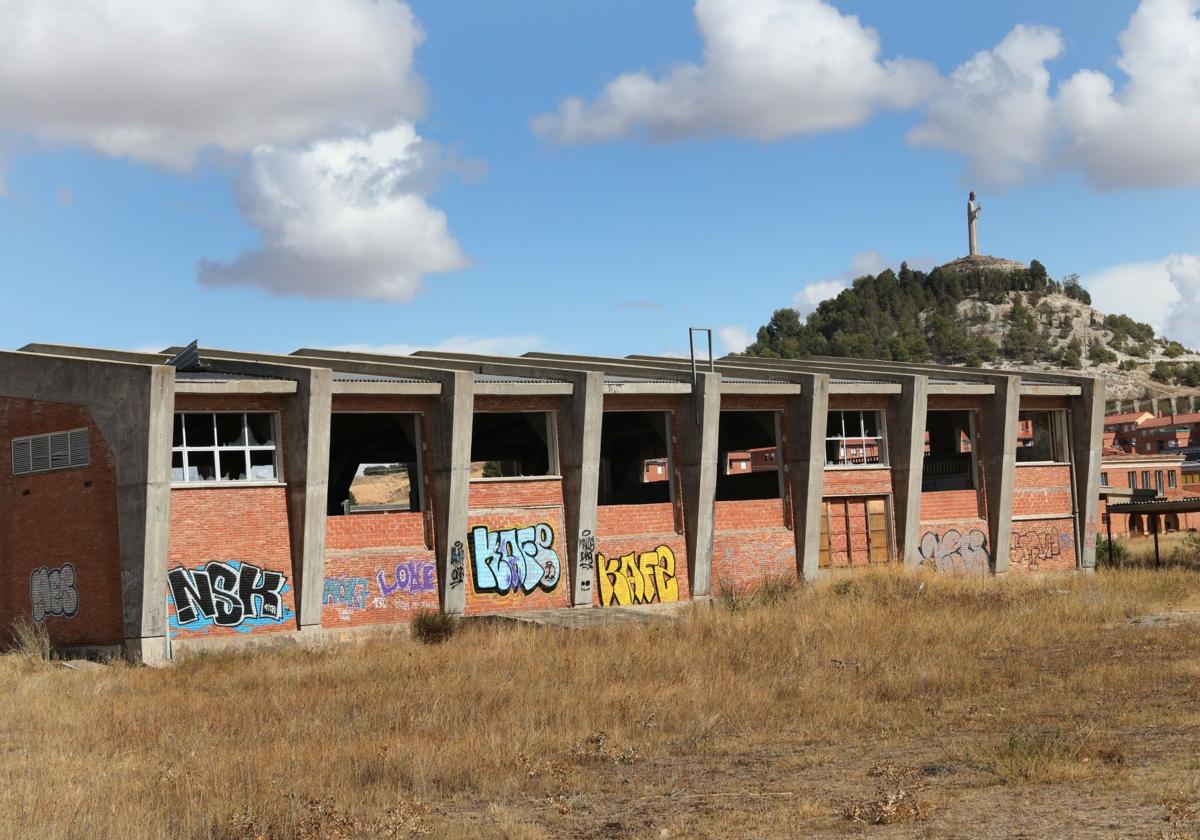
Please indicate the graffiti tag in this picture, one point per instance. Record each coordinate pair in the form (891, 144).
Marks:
(587, 557)
(952, 551)
(52, 592)
(1033, 548)
(413, 577)
(638, 578)
(514, 559)
(227, 594)
(457, 562)
(346, 592)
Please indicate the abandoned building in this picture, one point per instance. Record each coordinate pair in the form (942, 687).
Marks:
(158, 503)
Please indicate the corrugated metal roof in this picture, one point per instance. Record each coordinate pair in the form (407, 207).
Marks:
(346, 376)
(220, 376)
(494, 377)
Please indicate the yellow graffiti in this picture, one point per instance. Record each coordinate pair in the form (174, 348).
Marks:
(638, 578)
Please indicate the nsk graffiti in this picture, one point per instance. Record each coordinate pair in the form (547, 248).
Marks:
(413, 577)
(346, 592)
(638, 578)
(52, 592)
(227, 594)
(1032, 548)
(954, 551)
(514, 559)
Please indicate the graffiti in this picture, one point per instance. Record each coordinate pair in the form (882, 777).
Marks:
(1089, 534)
(515, 558)
(346, 592)
(587, 558)
(228, 594)
(413, 577)
(1032, 548)
(52, 592)
(953, 551)
(457, 561)
(638, 578)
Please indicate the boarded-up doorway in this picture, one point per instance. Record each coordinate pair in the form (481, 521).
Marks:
(855, 531)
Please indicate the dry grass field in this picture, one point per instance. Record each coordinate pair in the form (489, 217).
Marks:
(881, 705)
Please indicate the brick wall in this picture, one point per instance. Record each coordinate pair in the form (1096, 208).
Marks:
(1042, 545)
(751, 544)
(857, 482)
(953, 534)
(961, 546)
(1042, 490)
(377, 569)
(58, 533)
(637, 530)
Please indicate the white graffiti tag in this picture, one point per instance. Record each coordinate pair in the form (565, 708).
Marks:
(52, 592)
(515, 558)
(955, 552)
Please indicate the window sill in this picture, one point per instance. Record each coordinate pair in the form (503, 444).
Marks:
(1043, 463)
(504, 478)
(851, 467)
(225, 485)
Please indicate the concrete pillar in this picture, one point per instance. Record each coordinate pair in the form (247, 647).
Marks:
(1000, 466)
(580, 455)
(450, 468)
(1164, 406)
(1087, 439)
(699, 429)
(807, 415)
(306, 469)
(906, 457)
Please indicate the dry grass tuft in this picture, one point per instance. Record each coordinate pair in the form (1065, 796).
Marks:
(431, 626)
(1052, 755)
(31, 641)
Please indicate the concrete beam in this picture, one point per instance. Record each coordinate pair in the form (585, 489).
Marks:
(453, 418)
(806, 420)
(580, 455)
(133, 407)
(906, 457)
(699, 429)
(236, 386)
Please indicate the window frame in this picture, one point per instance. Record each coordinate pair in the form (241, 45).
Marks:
(1172, 481)
(882, 437)
(420, 447)
(184, 449)
(668, 419)
(552, 455)
(1058, 431)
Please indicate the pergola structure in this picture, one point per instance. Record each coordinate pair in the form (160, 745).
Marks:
(1153, 508)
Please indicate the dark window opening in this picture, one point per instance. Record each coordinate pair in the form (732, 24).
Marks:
(1042, 438)
(635, 461)
(373, 463)
(506, 444)
(748, 453)
(949, 452)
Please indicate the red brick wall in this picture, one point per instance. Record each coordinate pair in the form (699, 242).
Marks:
(59, 519)
(961, 546)
(377, 569)
(639, 529)
(858, 482)
(751, 544)
(244, 524)
(1042, 491)
(951, 505)
(1042, 545)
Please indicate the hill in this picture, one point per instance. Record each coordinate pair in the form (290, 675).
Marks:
(982, 314)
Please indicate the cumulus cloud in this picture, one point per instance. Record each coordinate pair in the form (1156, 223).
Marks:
(865, 262)
(160, 82)
(734, 338)
(341, 218)
(1146, 133)
(1163, 293)
(501, 345)
(996, 108)
(771, 69)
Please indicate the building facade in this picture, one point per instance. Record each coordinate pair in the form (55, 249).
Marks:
(170, 502)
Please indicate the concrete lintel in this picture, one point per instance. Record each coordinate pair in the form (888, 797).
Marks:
(643, 388)
(1034, 390)
(760, 388)
(237, 386)
(523, 389)
(396, 389)
(963, 389)
(806, 419)
(865, 388)
(450, 471)
(581, 477)
(699, 428)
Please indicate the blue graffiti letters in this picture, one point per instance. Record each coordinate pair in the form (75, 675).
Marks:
(227, 594)
(346, 592)
(514, 559)
(413, 577)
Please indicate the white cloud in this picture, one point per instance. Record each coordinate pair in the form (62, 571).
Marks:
(160, 82)
(734, 338)
(342, 218)
(865, 262)
(772, 69)
(501, 345)
(1147, 133)
(996, 110)
(1163, 293)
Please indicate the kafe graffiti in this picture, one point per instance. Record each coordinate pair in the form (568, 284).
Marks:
(954, 551)
(52, 592)
(638, 578)
(350, 592)
(412, 577)
(1032, 548)
(514, 559)
(227, 594)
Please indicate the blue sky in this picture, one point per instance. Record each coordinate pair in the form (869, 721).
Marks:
(693, 202)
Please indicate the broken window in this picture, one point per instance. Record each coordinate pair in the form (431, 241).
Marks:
(374, 463)
(748, 453)
(510, 444)
(223, 446)
(949, 451)
(853, 438)
(635, 461)
(1041, 436)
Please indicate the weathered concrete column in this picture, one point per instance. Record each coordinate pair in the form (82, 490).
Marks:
(453, 418)
(580, 455)
(306, 463)
(807, 415)
(1087, 439)
(700, 427)
(133, 407)
(906, 457)
(1000, 466)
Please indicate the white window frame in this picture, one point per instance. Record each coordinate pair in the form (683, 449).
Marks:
(77, 452)
(553, 465)
(184, 449)
(882, 438)
(1058, 420)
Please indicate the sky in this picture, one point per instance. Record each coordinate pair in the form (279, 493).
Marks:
(575, 177)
